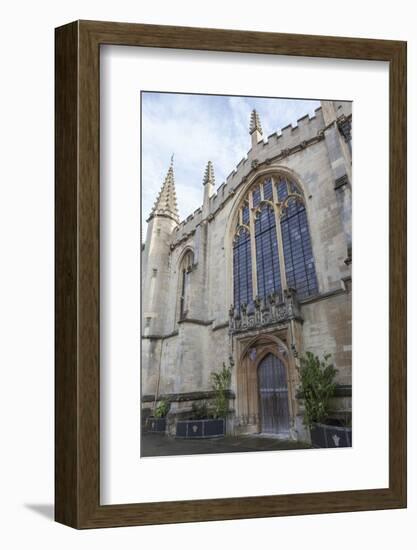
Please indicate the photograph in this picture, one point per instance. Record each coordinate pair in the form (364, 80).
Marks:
(205, 336)
(246, 273)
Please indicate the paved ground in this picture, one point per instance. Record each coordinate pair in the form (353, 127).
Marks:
(162, 445)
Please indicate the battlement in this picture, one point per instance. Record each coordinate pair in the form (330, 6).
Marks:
(285, 138)
(278, 145)
(188, 226)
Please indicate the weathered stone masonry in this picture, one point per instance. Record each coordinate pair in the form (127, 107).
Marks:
(190, 324)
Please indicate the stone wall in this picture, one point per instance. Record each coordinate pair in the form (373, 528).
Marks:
(327, 328)
(195, 347)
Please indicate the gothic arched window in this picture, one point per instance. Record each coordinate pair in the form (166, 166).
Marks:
(298, 254)
(267, 262)
(272, 247)
(186, 266)
(242, 267)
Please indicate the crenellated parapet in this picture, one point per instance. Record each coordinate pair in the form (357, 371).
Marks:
(187, 227)
(277, 147)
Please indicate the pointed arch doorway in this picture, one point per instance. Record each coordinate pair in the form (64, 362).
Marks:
(273, 396)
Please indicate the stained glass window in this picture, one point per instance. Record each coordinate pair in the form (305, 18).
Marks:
(242, 269)
(298, 253)
(282, 190)
(245, 215)
(256, 196)
(293, 187)
(267, 262)
(268, 190)
(293, 240)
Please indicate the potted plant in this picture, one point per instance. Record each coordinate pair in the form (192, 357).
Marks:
(206, 422)
(157, 422)
(318, 387)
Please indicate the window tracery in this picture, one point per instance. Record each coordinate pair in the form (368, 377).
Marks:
(272, 248)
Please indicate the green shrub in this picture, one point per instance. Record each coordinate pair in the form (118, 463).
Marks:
(162, 409)
(221, 383)
(317, 387)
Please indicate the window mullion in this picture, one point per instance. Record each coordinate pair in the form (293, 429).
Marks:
(303, 244)
(253, 248)
(277, 212)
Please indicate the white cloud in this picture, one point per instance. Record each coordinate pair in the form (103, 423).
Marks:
(198, 128)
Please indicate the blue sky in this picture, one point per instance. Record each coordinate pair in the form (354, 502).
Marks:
(199, 128)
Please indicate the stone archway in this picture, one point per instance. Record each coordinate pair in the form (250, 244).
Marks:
(251, 352)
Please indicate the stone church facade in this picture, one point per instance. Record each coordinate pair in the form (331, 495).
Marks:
(254, 278)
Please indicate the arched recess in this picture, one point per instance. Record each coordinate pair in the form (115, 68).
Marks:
(187, 250)
(266, 339)
(250, 355)
(184, 284)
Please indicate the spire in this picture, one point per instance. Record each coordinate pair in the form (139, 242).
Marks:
(255, 123)
(166, 203)
(209, 188)
(255, 128)
(209, 174)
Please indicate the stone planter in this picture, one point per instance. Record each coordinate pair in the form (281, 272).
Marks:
(200, 429)
(156, 425)
(328, 436)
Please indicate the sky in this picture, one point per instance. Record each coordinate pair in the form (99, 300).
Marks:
(199, 128)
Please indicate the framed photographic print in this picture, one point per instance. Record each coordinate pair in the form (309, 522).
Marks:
(230, 274)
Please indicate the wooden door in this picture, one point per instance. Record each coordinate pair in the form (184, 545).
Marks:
(273, 395)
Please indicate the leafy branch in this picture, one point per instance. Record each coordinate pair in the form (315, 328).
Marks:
(317, 386)
(221, 383)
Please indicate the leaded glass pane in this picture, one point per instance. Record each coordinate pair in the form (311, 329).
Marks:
(267, 261)
(298, 253)
(282, 190)
(294, 188)
(268, 190)
(256, 196)
(245, 215)
(242, 269)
